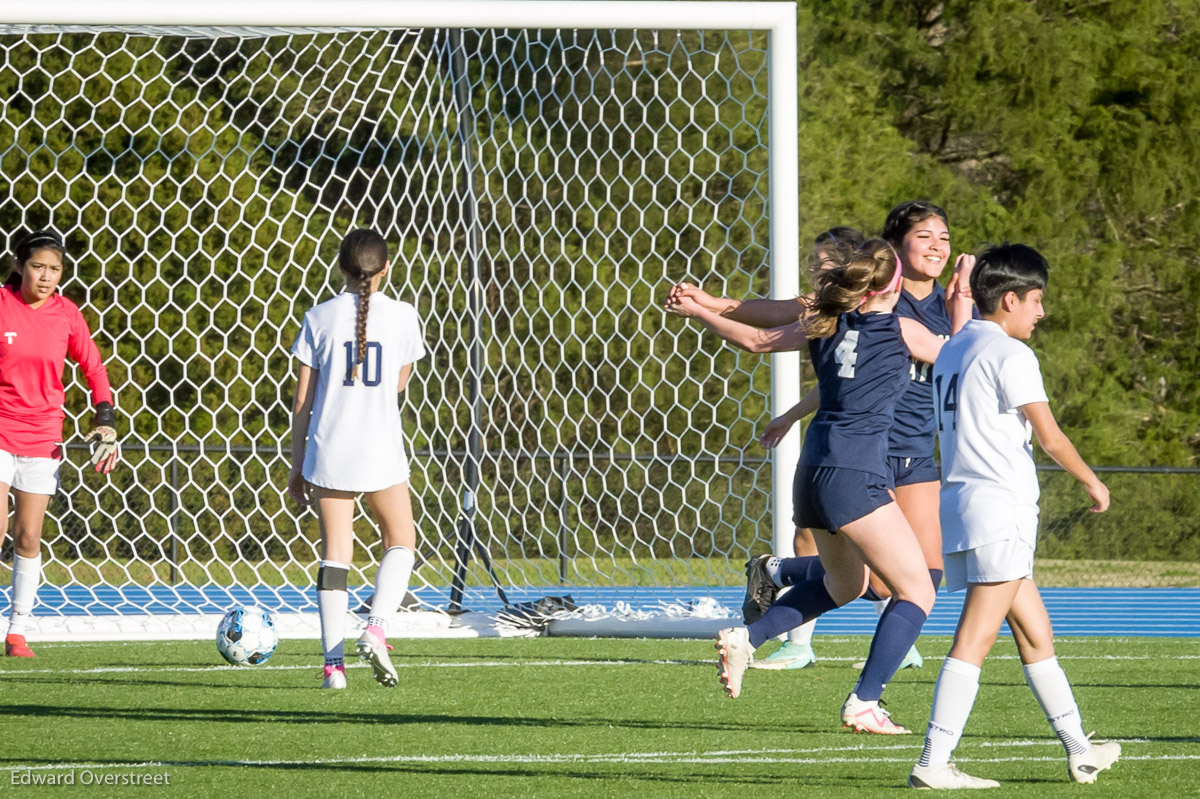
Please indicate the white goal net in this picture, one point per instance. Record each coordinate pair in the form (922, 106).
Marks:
(539, 188)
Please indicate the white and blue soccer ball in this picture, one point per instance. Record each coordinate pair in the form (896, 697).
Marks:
(247, 635)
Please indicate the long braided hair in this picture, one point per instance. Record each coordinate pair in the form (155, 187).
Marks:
(363, 255)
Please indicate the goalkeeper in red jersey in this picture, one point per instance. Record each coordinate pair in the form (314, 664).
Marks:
(39, 329)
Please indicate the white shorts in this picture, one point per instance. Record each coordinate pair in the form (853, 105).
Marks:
(1000, 562)
(31, 475)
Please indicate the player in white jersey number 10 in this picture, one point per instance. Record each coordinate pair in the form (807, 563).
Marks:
(355, 352)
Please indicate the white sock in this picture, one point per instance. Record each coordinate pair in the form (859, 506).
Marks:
(880, 606)
(27, 573)
(1053, 692)
(803, 634)
(772, 570)
(953, 698)
(391, 582)
(332, 606)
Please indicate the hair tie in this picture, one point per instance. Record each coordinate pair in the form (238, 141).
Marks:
(893, 284)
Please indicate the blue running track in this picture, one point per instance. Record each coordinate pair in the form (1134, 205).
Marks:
(1173, 612)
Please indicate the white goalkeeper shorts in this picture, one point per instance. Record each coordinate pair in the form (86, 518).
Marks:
(999, 562)
(31, 475)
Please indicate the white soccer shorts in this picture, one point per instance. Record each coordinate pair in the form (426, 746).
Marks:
(31, 475)
(999, 562)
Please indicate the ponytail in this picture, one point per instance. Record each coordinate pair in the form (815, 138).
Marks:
(870, 269)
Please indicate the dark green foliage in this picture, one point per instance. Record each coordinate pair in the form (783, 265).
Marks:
(204, 186)
(1074, 127)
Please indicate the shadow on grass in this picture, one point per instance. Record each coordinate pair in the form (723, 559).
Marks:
(624, 772)
(245, 715)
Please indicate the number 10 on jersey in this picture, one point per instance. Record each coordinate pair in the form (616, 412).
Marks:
(372, 363)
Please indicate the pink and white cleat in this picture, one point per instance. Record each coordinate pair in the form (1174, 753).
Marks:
(734, 654)
(374, 650)
(863, 716)
(335, 677)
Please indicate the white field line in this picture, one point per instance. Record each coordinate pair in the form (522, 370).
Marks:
(766, 756)
(1063, 642)
(486, 664)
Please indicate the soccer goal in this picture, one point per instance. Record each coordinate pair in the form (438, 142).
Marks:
(542, 172)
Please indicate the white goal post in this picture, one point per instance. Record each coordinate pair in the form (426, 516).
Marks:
(542, 172)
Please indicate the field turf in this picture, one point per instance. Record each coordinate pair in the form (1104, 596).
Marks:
(564, 717)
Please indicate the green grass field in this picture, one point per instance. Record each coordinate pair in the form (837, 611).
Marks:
(565, 717)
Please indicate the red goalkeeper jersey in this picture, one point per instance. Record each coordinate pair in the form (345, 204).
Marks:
(34, 345)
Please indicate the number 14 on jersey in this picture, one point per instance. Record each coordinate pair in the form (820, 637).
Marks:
(947, 401)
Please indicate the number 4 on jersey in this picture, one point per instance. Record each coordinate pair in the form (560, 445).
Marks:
(947, 402)
(845, 355)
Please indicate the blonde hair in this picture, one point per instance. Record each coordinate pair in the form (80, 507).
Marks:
(868, 268)
(363, 255)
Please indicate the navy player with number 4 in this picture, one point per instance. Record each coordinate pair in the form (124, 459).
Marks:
(989, 402)
(842, 482)
(355, 352)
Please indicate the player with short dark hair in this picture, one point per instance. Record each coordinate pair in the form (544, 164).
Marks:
(39, 330)
(990, 401)
(355, 352)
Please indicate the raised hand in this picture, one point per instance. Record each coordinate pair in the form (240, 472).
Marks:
(963, 265)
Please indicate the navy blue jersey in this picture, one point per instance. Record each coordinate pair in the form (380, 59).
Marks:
(913, 433)
(861, 372)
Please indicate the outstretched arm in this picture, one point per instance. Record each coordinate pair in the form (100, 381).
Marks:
(1056, 444)
(922, 344)
(756, 313)
(751, 339)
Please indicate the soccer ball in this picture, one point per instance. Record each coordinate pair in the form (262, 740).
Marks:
(247, 635)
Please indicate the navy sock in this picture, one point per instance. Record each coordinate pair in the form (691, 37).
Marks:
(898, 629)
(936, 576)
(870, 595)
(793, 571)
(804, 602)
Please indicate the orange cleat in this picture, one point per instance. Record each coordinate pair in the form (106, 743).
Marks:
(15, 647)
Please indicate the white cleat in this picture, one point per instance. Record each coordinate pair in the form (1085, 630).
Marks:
(945, 777)
(734, 655)
(1087, 766)
(374, 651)
(862, 716)
(335, 677)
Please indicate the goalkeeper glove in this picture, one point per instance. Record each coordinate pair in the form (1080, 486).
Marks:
(106, 451)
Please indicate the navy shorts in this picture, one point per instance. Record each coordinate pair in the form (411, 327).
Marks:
(910, 471)
(829, 497)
